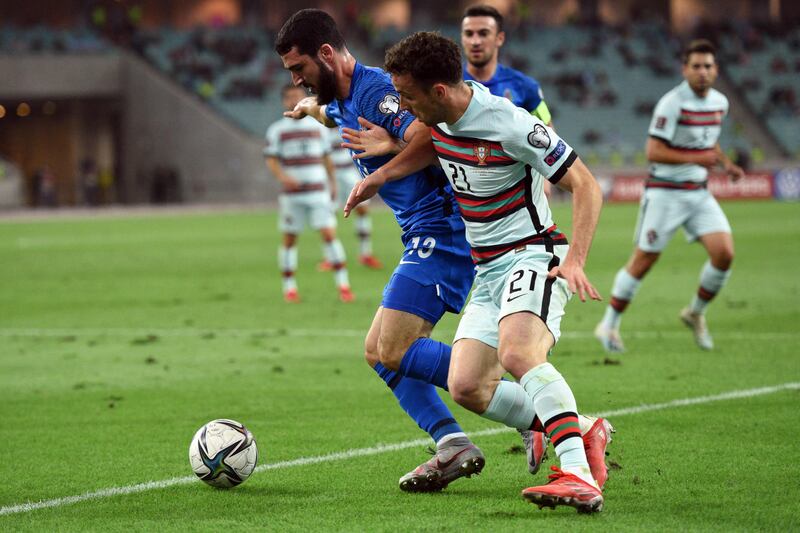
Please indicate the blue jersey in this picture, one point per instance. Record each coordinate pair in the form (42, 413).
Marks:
(522, 90)
(422, 202)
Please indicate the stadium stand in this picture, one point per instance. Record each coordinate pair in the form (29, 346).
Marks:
(764, 63)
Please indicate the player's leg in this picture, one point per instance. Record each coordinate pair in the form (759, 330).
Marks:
(659, 217)
(364, 234)
(423, 404)
(322, 219)
(711, 227)
(524, 343)
(290, 223)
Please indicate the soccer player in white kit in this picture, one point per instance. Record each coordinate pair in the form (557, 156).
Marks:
(297, 154)
(347, 175)
(682, 147)
(526, 272)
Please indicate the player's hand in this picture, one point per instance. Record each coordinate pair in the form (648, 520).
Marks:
(576, 280)
(305, 107)
(734, 172)
(290, 184)
(708, 158)
(363, 191)
(371, 140)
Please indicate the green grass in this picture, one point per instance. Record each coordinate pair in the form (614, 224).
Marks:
(120, 336)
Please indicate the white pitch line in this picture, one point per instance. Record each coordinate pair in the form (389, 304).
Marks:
(356, 333)
(382, 448)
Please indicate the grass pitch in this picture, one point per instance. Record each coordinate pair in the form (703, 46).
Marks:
(120, 336)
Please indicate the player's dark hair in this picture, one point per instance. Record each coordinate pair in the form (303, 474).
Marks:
(483, 10)
(427, 57)
(308, 30)
(699, 46)
(291, 87)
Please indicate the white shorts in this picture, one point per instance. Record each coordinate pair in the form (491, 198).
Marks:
(346, 179)
(515, 282)
(314, 208)
(663, 211)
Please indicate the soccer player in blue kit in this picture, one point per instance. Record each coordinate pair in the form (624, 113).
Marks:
(482, 36)
(435, 272)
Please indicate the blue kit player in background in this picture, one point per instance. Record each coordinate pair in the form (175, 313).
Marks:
(482, 36)
(435, 272)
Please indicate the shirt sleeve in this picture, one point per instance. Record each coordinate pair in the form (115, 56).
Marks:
(665, 119)
(272, 144)
(529, 140)
(380, 104)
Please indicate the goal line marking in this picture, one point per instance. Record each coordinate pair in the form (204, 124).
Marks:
(382, 448)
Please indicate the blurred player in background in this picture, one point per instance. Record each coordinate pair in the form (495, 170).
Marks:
(682, 147)
(297, 154)
(347, 176)
(435, 271)
(526, 272)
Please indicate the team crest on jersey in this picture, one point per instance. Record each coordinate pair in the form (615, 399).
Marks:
(652, 236)
(508, 94)
(539, 137)
(661, 122)
(481, 151)
(390, 104)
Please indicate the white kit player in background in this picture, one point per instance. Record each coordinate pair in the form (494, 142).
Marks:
(347, 176)
(297, 154)
(682, 147)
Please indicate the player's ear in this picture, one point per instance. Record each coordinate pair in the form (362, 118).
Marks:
(440, 90)
(501, 38)
(325, 53)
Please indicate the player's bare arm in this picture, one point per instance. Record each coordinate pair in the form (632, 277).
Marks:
(418, 154)
(371, 140)
(734, 171)
(287, 182)
(308, 107)
(330, 170)
(587, 199)
(659, 152)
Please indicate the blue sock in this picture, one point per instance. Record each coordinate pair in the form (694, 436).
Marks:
(427, 360)
(421, 402)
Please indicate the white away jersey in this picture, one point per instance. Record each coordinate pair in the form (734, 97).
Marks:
(341, 157)
(488, 155)
(685, 121)
(300, 145)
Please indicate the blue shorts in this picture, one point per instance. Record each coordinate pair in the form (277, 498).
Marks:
(434, 275)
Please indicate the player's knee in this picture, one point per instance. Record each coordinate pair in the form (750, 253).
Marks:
(723, 259)
(390, 354)
(371, 356)
(468, 393)
(516, 359)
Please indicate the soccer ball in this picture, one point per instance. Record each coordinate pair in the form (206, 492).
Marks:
(223, 453)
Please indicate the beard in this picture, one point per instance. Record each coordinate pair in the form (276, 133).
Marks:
(480, 63)
(326, 89)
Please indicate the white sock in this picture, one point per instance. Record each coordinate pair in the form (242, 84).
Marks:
(364, 232)
(555, 406)
(622, 292)
(334, 253)
(711, 282)
(450, 436)
(511, 405)
(287, 263)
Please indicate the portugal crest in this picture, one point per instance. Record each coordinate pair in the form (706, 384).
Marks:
(481, 151)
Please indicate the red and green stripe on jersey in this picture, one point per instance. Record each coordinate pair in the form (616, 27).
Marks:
(469, 151)
(494, 207)
(700, 118)
(549, 237)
